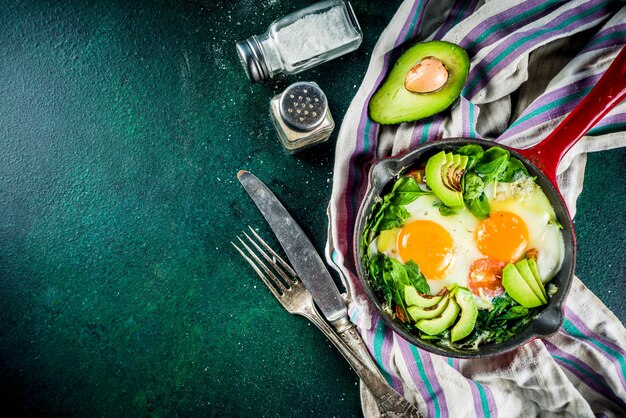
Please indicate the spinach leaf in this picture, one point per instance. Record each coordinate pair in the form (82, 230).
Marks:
(405, 190)
(395, 277)
(389, 212)
(473, 186)
(506, 320)
(389, 216)
(443, 209)
(514, 171)
(446, 211)
(416, 278)
(389, 276)
(492, 164)
(474, 153)
(515, 312)
(479, 206)
(375, 269)
(377, 278)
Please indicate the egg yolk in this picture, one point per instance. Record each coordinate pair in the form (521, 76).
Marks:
(502, 236)
(429, 245)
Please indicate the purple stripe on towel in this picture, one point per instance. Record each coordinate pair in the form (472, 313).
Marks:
(485, 76)
(551, 113)
(576, 320)
(593, 336)
(386, 354)
(468, 41)
(344, 244)
(455, 15)
(404, 33)
(614, 36)
(491, 401)
(583, 372)
(478, 405)
(414, 373)
(429, 368)
(618, 118)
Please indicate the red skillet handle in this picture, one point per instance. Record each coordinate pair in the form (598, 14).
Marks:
(609, 91)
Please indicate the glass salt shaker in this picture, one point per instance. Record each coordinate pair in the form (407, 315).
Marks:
(301, 40)
(301, 116)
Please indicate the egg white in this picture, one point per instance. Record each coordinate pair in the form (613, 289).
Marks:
(531, 204)
(460, 226)
(525, 199)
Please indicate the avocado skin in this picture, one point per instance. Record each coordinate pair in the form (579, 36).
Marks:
(532, 264)
(393, 103)
(435, 168)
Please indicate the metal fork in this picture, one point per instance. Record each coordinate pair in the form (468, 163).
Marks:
(284, 284)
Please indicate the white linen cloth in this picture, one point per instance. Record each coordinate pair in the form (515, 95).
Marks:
(531, 62)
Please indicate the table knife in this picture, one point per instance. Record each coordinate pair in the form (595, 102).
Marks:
(307, 263)
(312, 271)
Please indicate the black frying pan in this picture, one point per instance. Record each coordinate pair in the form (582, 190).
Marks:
(541, 161)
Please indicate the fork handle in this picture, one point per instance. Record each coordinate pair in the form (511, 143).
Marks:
(390, 402)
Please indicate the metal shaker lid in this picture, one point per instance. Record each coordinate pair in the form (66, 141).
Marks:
(303, 106)
(252, 59)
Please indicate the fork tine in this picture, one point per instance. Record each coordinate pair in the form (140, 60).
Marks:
(274, 261)
(273, 282)
(277, 258)
(258, 272)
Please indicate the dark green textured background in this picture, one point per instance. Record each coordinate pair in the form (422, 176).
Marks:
(122, 127)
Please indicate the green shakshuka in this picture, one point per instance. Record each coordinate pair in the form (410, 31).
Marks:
(463, 248)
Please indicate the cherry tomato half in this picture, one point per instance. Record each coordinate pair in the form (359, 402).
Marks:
(486, 275)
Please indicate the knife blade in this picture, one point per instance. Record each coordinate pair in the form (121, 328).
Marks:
(316, 278)
(299, 250)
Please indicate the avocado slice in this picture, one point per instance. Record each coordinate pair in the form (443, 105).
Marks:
(532, 264)
(453, 174)
(469, 313)
(441, 323)
(451, 161)
(416, 313)
(412, 298)
(395, 103)
(435, 167)
(517, 288)
(526, 273)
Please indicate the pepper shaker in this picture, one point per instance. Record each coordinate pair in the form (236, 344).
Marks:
(301, 116)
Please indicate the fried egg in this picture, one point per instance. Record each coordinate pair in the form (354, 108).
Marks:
(452, 248)
(531, 205)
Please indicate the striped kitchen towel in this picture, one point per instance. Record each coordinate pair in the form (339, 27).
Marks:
(531, 62)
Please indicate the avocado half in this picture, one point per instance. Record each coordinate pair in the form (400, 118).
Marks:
(394, 103)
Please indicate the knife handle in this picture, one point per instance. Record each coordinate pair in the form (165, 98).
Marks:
(348, 333)
(389, 402)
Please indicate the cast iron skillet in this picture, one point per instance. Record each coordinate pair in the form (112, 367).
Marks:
(541, 161)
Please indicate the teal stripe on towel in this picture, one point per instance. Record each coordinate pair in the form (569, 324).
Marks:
(574, 331)
(516, 46)
(424, 377)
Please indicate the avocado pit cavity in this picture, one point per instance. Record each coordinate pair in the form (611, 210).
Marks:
(426, 76)
(420, 85)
